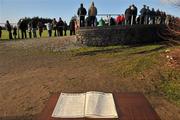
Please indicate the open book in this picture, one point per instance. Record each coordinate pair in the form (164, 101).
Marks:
(90, 105)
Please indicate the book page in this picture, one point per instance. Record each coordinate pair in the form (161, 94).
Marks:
(70, 106)
(100, 105)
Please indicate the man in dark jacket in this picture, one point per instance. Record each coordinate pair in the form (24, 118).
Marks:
(88, 21)
(163, 17)
(152, 16)
(134, 14)
(23, 28)
(158, 17)
(143, 14)
(147, 16)
(9, 29)
(60, 25)
(112, 21)
(65, 28)
(128, 16)
(40, 27)
(82, 13)
(34, 28)
(72, 27)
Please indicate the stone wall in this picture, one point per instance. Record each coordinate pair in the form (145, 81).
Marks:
(115, 35)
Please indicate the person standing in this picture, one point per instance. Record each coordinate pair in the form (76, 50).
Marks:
(88, 22)
(128, 13)
(30, 29)
(14, 32)
(72, 27)
(152, 16)
(65, 28)
(0, 32)
(112, 21)
(147, 16)
(82, 13)
(92, 14)
(101, 22)
(40, 27)
(163, 17)
(134, 14)
(60, 25)
(23, 28)
(168, 19)
(158, 17)
(9, 29)
(34, 28)
(54, 24)
(49, 28)
(118, 20)
(143, 14)
(138, 19)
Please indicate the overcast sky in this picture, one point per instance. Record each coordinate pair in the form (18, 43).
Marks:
(13, 10)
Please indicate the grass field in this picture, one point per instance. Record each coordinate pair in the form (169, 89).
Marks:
(5, 35)
(142, 64)
(30, 75)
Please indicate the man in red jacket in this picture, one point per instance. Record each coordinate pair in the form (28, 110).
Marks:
(120, 19)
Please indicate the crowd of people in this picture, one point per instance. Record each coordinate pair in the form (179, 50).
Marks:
(60, 27)
(131, 17)
(147, 16)
(30, 29)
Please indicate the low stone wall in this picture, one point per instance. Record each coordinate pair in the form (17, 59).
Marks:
(115, 35)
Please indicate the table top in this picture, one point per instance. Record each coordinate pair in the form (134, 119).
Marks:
(129, 106)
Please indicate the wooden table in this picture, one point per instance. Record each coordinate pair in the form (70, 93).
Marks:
(130, 106)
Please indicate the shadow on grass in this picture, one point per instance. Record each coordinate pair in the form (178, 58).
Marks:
(102, 51)
(120, 49)
(150, 51)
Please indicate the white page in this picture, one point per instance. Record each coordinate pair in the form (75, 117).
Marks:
(100, 105)
(70, 106)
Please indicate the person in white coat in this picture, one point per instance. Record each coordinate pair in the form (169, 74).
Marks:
(49, 28)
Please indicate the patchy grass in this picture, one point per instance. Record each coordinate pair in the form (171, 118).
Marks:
(170, 84)
(25, 70)
(140, 63)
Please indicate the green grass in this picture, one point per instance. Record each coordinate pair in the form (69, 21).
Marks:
(5, 35)
(170, 84)
(141, 63)
(144, 66)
